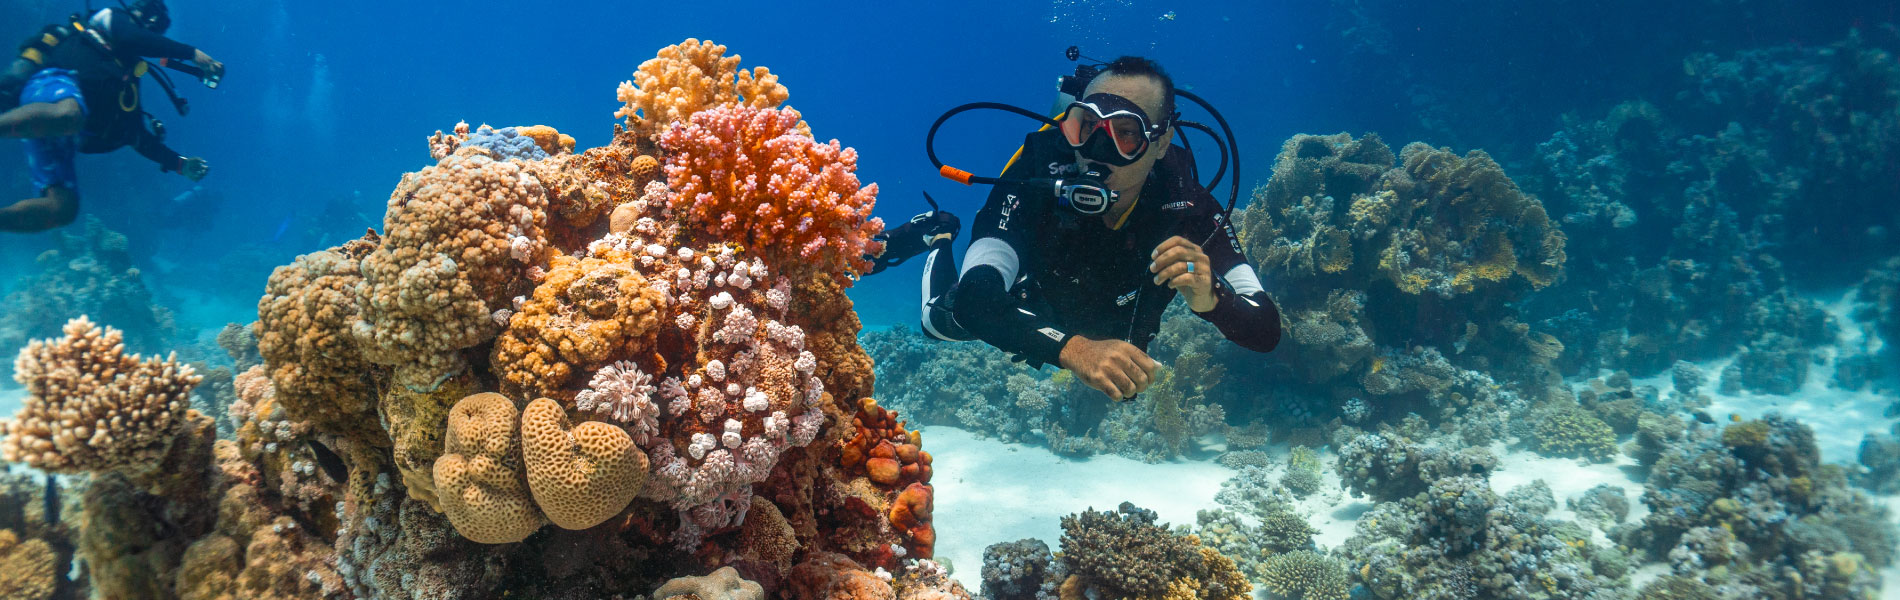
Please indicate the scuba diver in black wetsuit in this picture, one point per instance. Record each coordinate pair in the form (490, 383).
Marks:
(75, 88)
(1094, 227)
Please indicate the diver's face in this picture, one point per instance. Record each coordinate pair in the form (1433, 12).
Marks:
(1148, 94)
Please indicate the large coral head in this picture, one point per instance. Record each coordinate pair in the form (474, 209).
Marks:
(581, 475)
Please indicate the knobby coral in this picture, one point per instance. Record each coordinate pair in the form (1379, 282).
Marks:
(92, 407)
(690, 77)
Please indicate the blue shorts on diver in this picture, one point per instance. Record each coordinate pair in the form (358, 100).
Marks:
(51, 159)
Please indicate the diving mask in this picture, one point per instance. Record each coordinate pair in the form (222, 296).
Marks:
(1110, 129)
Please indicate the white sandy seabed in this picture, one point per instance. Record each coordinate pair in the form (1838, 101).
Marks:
(989, 491)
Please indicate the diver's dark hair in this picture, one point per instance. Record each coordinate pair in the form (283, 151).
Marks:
(1132, 66)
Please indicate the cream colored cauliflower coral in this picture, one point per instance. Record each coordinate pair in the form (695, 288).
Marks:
(689, 77)
(92, 407)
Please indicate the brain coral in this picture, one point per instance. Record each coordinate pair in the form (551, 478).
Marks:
(587, 313)
(458, 233)
(579, 476)
(747, 176)
(688, 77)
(478, 479)
(92, 407)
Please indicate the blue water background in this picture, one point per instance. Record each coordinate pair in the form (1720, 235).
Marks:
(327, 103)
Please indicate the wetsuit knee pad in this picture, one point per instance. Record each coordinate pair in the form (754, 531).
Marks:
(51, 159)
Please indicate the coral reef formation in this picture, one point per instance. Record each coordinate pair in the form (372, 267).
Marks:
(1749, 506)
(678, 387)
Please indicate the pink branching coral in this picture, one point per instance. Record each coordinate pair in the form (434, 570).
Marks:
(747, 176)
(91, 406)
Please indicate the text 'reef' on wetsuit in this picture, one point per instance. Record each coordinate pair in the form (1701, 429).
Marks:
(107, 78)
(1036, 274)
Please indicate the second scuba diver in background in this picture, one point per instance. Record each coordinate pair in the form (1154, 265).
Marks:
(76, 86)
(1094, 227)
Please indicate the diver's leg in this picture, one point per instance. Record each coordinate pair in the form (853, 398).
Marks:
(940, 274)
(50, 161)
(43, 119)
(57, 208)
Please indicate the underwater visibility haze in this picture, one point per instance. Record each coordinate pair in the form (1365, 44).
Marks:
(1582, 300)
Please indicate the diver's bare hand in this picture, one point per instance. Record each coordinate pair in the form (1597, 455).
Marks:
(1116, 368)
(1180, 264)
(211, 66)
(195, 168)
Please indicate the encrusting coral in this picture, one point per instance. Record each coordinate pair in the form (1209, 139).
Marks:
(586, 313)
(581, 475)
(303, 335)
(92, 407)
(479, 477)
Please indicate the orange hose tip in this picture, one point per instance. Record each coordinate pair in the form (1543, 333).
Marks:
(955, 174)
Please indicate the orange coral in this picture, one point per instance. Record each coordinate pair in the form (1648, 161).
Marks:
(881, 448)
(586, 313)
(893, 457)
(688, 77)
(746, 176)
(551, 141)
(911, 515)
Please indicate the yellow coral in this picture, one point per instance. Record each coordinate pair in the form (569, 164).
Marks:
(587, 313)
(579, 476)
(417, 422)
(26, 568)
(688, 77)
(479, 478)
(551, 141)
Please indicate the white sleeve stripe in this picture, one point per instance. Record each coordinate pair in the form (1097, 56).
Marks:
(1243, 279)
(995, 253)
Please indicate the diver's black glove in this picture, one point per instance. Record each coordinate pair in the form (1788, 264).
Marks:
(923, 233)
